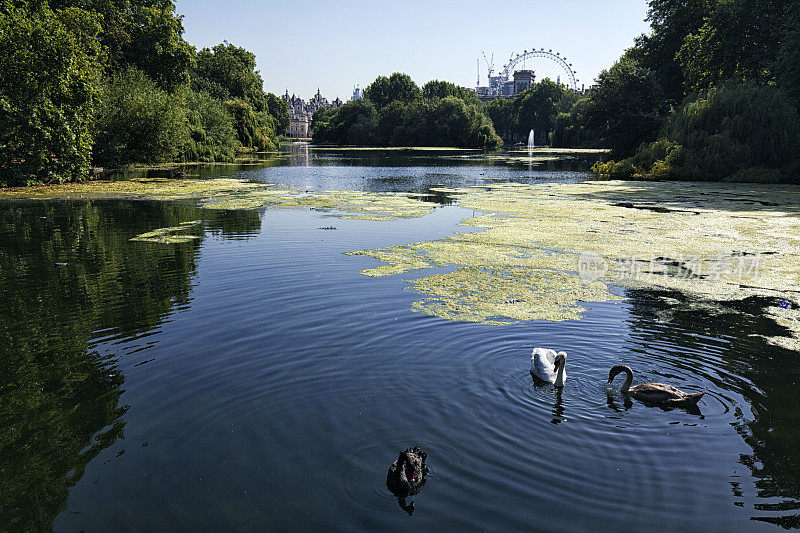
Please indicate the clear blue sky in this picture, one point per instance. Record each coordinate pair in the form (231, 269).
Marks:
(335, 45)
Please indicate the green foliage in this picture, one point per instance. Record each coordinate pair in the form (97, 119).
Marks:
(731, 133)
(385, 90)
(626, 108)
(437, 90)
(535, 109)
(227, 72)
(671, 21)
(253, 128)
(788, 64)
(279, 110)
(233, 69)
(353, 123)
(48, 87)
(407, 121)
(145, 34)
(736, 42)
(571, 129)
(138, 122)
(212, 136)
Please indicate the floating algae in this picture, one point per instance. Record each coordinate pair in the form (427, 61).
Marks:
(473, 294)
(234, 194)
(790, 319)
(171, 235)
(712, 242)
(539, 249)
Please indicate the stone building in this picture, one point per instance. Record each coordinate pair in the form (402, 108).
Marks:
(300, 113)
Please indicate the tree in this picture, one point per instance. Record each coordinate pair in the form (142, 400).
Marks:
(211, 133)
(254, 129)
(145, 34)
(437, 90)
(233, 69)
(737, 132)
(280, 112)
(670, 22)
(49, 83)
(502, 114)
(536, 109)
(736, 42)
(626, 108)
(398, 86)
(138, 122)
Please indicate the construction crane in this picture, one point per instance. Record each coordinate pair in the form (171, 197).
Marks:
(489, 63)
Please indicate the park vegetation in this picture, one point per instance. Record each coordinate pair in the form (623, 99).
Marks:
(710, 94)
(114, 83)
(396, 112)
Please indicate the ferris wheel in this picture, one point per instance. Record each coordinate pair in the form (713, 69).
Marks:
(545, 64)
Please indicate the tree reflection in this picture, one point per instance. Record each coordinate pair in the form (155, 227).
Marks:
(68, 270)
(774, 433)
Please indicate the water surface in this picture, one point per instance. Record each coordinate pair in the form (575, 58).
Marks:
(253, 379)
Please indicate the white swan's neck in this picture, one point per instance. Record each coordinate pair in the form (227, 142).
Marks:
(560, 376)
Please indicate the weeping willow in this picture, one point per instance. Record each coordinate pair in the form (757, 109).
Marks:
(738, 133)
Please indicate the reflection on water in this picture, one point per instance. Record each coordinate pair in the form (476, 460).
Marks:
(69, 281)
(768, 377)
(252, 379)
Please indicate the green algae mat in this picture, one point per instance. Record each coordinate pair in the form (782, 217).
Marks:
(542, 251)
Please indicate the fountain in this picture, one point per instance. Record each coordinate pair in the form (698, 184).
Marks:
(530, 140)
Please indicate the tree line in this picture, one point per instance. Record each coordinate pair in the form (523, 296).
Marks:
(113, 82)
(396, 112)
(711, 94)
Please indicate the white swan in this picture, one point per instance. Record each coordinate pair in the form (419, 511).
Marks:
(548, 365)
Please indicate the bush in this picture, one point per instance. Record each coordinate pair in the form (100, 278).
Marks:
(138, 123)
(212, 136)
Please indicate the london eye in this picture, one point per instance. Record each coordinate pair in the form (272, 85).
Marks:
(545, 63)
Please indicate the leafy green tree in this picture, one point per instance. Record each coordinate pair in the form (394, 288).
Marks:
(570, 129)
(438, 90)
(391, 121)
(789, 57)
(280, 112)
(156, 45)
(627, 107)
(253, 128)
(234, 70)
(49, 83)
(537, 108)
(736, 43)
(211, 135)
(670, 22)
(502, 114)
(385, 90)
(731, 133)
(138, 122)
(146, 34)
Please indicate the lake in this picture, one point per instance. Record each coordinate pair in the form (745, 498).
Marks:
(253, 379)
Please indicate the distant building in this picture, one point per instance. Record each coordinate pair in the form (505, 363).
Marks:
(299, 127)
(523, 79)
(301, 112)
(356, 94)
